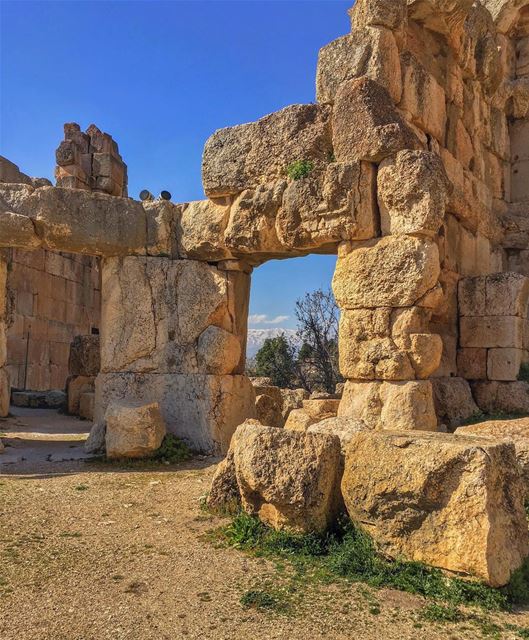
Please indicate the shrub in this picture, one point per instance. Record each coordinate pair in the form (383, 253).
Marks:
(299, 169)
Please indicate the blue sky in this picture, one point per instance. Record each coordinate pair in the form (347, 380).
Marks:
(161, 77)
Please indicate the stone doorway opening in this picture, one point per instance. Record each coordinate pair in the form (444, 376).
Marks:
(292, 346)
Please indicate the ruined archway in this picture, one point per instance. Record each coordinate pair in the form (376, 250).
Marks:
(402, 168)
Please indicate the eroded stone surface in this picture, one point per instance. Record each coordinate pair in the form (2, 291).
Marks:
(449, 501)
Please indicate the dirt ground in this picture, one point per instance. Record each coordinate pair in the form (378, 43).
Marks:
(95, 551)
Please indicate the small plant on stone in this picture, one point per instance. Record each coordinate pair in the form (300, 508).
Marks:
(172, 450)
(299, 169)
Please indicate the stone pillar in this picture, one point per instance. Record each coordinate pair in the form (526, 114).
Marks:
(387, 289)
(387, 353)
(174, 331)
(5, 391)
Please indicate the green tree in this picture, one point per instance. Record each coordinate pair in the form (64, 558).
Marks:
(276, 360)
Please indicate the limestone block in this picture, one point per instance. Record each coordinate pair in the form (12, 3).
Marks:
(412, 193)
(133, 429)
(289, 480)
(95, 443)
(366, 124)
(491, 331)
(367, 351)
(219, 351)
(501, 397)
(391, 14)
(322, 408)
(343, 428)
(252, 220)
(516, 431)
(200, 409)
(268, 411)
(519, 184)
(390, 405)
(75, 387)
(16, 198)
(472, 363)
(299, 420)
(453, 401)
(88, 222)
(395, 271)
(85, 356)
(224, 495)
(423, 98)
(5, 392)
(203, 224)
(17, 231)
(155, 309)
(86, 405)
(327, 208)
(242, 157)
(292, 399)
(163, 227)
(504, 364)
(9, 172)
(425, 351)
(407, 406)
(371, 52)
(404, 489)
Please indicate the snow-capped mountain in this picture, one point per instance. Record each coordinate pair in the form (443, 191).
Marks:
(256, 338)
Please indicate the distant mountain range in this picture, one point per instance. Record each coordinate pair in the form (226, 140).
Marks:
(256, 338)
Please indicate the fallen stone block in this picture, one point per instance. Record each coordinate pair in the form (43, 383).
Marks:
(501, 397)
(268, 411)
(133, 430)
(320, 409)
(453, 401)
(516, 431)
(299, 420)
(292, 399)
(95, 443)
(449, 501)
(289, 480)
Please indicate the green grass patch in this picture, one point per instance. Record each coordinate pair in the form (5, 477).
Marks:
(299, 169)
(264, 599)
(349, 554)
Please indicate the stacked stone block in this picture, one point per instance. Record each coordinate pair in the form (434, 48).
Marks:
(84, 363)
(90, 161)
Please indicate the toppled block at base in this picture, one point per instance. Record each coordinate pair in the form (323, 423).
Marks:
(450, 501)
(289, 480)
(516, 431)
(133, 430)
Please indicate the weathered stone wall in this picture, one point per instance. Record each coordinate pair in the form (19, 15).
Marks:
(52, 298)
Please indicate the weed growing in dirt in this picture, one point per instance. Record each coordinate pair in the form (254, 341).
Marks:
(81, 487)
(299, 169)
(348, 553)
(264, 600)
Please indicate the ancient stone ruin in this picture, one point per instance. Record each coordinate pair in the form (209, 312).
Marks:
(413, 168)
